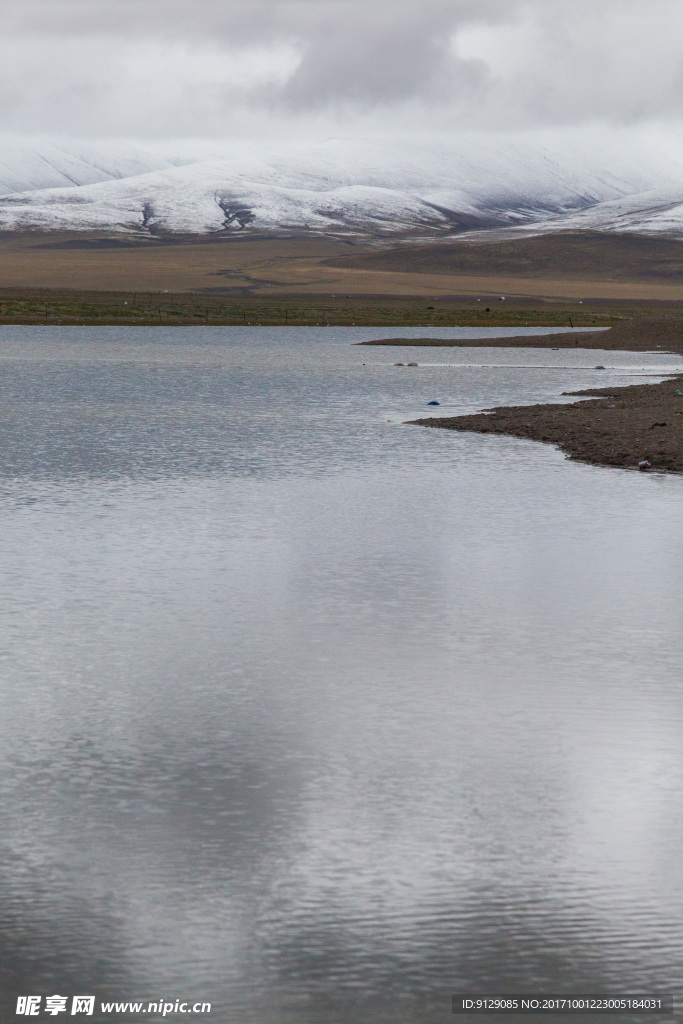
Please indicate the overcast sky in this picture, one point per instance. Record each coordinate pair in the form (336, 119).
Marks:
(304, 69)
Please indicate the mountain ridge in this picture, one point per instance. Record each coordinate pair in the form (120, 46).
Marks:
(367, 189)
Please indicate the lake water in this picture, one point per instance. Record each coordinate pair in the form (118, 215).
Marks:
(321, 717)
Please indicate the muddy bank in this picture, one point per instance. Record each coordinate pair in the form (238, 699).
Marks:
(618, 427)
(644, 334)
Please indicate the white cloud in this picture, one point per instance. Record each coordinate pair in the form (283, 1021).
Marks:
(506, 49)
(158, 63)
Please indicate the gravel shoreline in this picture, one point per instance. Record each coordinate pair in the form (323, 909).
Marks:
(619, 426)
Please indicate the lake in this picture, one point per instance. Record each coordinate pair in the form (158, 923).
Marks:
(317, 716)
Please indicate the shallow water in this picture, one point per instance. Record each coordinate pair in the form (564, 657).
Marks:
(317, 716)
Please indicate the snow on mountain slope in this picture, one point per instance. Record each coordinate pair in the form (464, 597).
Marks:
(201, 199)
(39, 164)
(415, 185)
(653, 212)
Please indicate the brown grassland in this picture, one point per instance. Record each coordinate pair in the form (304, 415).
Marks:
(232, 278)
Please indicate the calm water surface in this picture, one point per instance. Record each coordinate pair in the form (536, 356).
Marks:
(318, 716)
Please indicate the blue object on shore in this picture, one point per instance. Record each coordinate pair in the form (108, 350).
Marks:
(433, 403)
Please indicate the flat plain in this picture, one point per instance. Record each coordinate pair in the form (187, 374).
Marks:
(240, 278)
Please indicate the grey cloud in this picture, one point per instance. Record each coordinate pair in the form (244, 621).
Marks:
(140, 66)
(373, 59)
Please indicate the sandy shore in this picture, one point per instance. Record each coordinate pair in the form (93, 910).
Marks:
(619, 426)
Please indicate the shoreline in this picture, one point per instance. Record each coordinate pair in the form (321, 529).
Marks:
(619, 426)
(639, 334)
(580, 339)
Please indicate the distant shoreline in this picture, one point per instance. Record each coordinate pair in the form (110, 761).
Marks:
(619, 426)
(639, 334)
(560, 339)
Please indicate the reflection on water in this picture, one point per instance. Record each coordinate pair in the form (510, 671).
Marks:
(319, 717)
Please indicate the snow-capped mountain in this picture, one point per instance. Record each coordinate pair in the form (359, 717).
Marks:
(416, 186)
(44, 164)
(653, 212)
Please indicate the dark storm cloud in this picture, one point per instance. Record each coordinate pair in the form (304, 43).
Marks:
(379, 56)
(208, 67)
